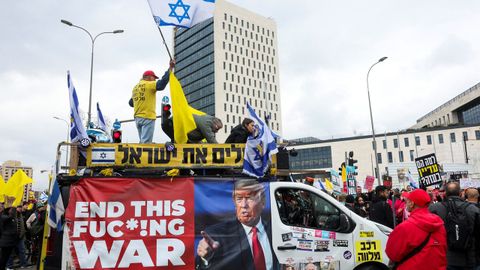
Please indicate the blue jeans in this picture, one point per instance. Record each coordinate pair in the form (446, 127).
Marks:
(145, 128)
(21, 254)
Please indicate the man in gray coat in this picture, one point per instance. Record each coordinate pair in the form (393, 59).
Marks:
(207, 126)
(459, 259)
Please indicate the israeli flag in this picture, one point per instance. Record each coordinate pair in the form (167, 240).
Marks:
(181, 13)
(258, 149)
(411, 181)
(56, 208)
(77, 130)
(101, 121)
(103, 155)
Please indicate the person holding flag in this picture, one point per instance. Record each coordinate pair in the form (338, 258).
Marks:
(258, 149)
(144, 103)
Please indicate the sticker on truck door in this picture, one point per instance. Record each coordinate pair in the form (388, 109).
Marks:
(366, 251)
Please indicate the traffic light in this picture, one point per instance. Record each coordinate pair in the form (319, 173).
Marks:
(351, 162)
(117, 136)
(167, 121)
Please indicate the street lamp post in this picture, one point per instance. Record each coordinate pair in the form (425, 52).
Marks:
(68, 137)
(91, 61)
(371, 120)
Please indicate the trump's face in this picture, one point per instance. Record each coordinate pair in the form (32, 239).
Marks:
(249, 206)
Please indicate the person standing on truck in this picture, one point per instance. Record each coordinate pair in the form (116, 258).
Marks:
(207, 126)
(242, 243)
(413, 243)
(240, 133)
(380, 211)
(144, 102)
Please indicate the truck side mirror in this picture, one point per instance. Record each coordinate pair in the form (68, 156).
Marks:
(346, 225)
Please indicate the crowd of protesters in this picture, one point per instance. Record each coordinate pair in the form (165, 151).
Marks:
(21, 234)
(433, 229)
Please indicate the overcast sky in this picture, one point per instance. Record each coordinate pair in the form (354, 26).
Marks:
(325, 49)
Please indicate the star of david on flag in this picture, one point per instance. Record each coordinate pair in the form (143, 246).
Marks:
(258, 149)
(181, 13)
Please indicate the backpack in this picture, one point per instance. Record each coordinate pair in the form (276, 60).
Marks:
(458, 225)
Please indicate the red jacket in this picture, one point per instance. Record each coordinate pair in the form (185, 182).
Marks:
(411, 233)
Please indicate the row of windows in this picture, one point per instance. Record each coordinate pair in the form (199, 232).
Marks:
(193, 57)
(429, 139)
(247, 24)
(232, 96)
(250, 65)
(258, 48)
(196, 51)
(198, 74)
(245, 33)
(242, 88)
(200, 93)
(244, 79)
(196, 66)
(204, 37)
(400, 156)
(311, 158)
(472, 115)
(202, 29)
(204, 102)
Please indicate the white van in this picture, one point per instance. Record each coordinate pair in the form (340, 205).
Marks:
(309, 226)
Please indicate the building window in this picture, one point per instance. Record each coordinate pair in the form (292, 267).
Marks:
(452, 137)
(412, 155)
(384, 144)
(429, 139)
(390, 157)
(465, 136)
(395, 143)
(440, 138)
(379, 157)
(477, 134)
(417, 140)
(407, 143)
(400, 156)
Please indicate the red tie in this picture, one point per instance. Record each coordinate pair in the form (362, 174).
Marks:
(258, 257)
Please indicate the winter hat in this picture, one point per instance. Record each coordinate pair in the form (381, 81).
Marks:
(419, 197)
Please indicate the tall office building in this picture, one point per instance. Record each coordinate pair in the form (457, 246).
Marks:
(10, 167)
(227, 61)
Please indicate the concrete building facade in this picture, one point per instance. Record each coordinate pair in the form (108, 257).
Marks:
(456, 148)
(462, 109)
(227, 61)
(10, 167)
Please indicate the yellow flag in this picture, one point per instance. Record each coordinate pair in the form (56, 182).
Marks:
(328, 185)
(183, 121)
(15, 186)
(2, 189)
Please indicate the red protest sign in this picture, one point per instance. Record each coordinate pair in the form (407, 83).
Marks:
(120, 223)
(369, 183)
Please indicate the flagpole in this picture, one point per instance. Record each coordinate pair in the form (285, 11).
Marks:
(163, 39)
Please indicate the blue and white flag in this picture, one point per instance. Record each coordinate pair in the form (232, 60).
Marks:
(258, 149)
(101, 121)
(411, 181)
(181, 13)
(77, 130)
(56, 208)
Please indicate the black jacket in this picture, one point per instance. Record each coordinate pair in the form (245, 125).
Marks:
(238, 135)
(455, 258)
(8, 228)
(381, 212)
(234, 252)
